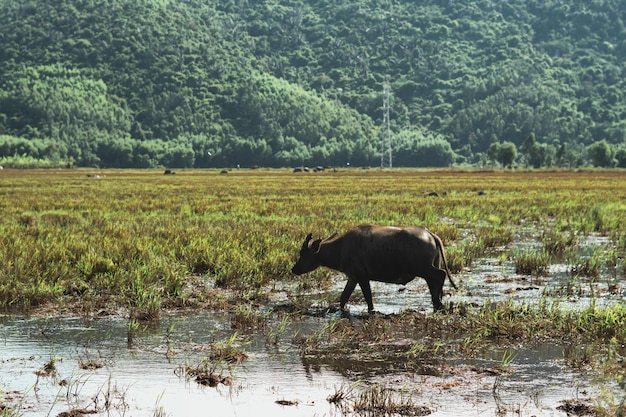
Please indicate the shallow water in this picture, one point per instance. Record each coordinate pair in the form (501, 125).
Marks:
(141, 380)
(145, 379)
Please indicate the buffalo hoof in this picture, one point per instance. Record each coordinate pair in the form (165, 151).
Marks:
(443, 309)
(373, 313)
(438, 308)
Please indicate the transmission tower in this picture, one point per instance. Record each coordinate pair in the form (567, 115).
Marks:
(385, 146)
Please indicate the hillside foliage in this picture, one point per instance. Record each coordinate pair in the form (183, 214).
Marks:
(196, 83)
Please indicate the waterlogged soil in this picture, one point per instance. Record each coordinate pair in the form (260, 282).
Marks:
(147, 379)
(72, 366)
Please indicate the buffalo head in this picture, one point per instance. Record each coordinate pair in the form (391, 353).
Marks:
(308, 260)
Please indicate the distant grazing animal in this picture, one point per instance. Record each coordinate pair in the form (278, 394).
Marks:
(379, 253)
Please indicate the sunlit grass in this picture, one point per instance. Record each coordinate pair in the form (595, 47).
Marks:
(134, 238)
(470, 331)
(532, 263)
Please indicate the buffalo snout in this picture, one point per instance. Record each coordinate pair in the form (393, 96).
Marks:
(298, 269)
(305, 264)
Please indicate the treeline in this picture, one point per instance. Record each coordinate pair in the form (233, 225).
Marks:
(121, 83)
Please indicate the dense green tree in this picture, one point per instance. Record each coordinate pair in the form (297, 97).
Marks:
(538, 154)
(53, 151)
(601, 154)
(620, 157)
(61, 104)
(156, 83)
(568, 156)
(505, 153)
(11, 145)
(421, 148)
(178, 155)
(115, 153)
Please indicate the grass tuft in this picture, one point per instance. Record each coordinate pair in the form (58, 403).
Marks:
(535, 264)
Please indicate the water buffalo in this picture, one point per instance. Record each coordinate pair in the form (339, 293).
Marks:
(379, 253)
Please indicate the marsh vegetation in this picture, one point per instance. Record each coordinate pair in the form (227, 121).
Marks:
(538, 255)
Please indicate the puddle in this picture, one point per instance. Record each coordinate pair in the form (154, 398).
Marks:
(145, 380)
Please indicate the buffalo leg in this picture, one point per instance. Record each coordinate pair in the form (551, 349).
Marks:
(367, 293)
(347, 292)
(435, 279)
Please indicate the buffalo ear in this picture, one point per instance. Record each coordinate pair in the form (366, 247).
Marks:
(306, 243)
(315, 246)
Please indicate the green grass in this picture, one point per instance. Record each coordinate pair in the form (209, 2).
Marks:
(532, 263)
(414, 338)
(139, 239)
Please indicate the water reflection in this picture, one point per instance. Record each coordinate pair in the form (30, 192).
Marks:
(145, 380)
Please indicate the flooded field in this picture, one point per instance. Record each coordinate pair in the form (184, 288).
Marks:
(151, 295)
(145, 380)
(51, 366)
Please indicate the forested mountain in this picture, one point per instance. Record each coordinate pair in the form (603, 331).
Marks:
(182, 83)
